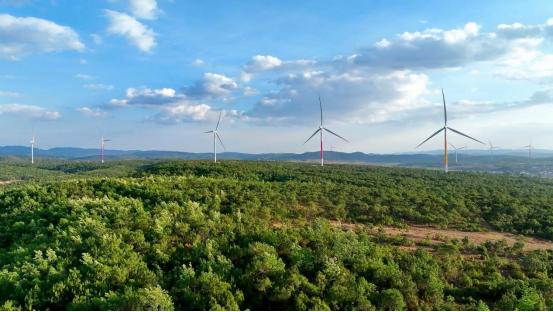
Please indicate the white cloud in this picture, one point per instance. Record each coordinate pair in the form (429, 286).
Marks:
(212, 86)
(144, 9)
(83, 62)
(135, 32)
(245, 76)
(351, 95)
(249, 91)
(28, 111)
(181, 112)
(98, 86)
(198, 62)
(20, 36)
(432, 48)
(91, 112)
(263, 62)
(146, 97)
(171, 107)
(84, 77)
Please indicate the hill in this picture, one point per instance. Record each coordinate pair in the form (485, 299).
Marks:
(270, 235)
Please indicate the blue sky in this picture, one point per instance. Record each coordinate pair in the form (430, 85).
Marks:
(156, 74)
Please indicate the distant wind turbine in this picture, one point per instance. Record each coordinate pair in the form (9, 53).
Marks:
(492, 148)
(33, 143)
(444, 129)
(215, 138)
(102, 144)
(529, 147)
(456, 149)
(322, 129)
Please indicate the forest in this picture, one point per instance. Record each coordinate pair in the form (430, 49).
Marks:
(237, 235)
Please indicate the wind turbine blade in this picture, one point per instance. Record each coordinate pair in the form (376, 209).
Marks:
(220, 141)
(321, 107)
(430, 137)
(451, 144)
(218, 121)
(445, 110)
(336, 135)
(465, 135)
(460, 148)
(316, 131)
(210, 131)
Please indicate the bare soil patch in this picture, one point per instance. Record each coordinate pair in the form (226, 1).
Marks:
(8, 182)
(420, 233)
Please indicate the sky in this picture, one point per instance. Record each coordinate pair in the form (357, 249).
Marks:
(157, 74)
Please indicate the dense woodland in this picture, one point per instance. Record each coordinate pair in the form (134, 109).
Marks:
(262, 235)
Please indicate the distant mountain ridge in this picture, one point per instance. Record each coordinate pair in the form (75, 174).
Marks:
(76, 153)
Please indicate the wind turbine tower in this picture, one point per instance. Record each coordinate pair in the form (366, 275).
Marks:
(216, 138)
(320, 131)
(529, 147)
(102, 145)
(33, 143)
(492, 148)
(456, 149)
(444, 129)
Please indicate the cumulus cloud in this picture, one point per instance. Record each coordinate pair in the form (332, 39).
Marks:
(513, 48)
(134, 31)
(212, 86)
(263, 62)
(387, 82)
(144, 9)
(20, 36)
(146, 97)
(91, 112)
(432, 48)
(28, 111)
(169, 105)
(260, 63)
(181, 112)
(354, 96)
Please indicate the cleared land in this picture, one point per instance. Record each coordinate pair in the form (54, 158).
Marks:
(434, 235)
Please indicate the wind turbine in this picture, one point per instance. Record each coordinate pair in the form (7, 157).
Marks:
(456, 149)
(492, 148)
(33, 142)
(102, 144)
(444, 129)
(215, 138)
(322, 129)
(529, 147)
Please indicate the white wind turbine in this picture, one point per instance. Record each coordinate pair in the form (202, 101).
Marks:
(456, 149)
(320, 130)
(492, 148)
(215, 138)
(102, 146)
(444, 129)
(33, 143)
